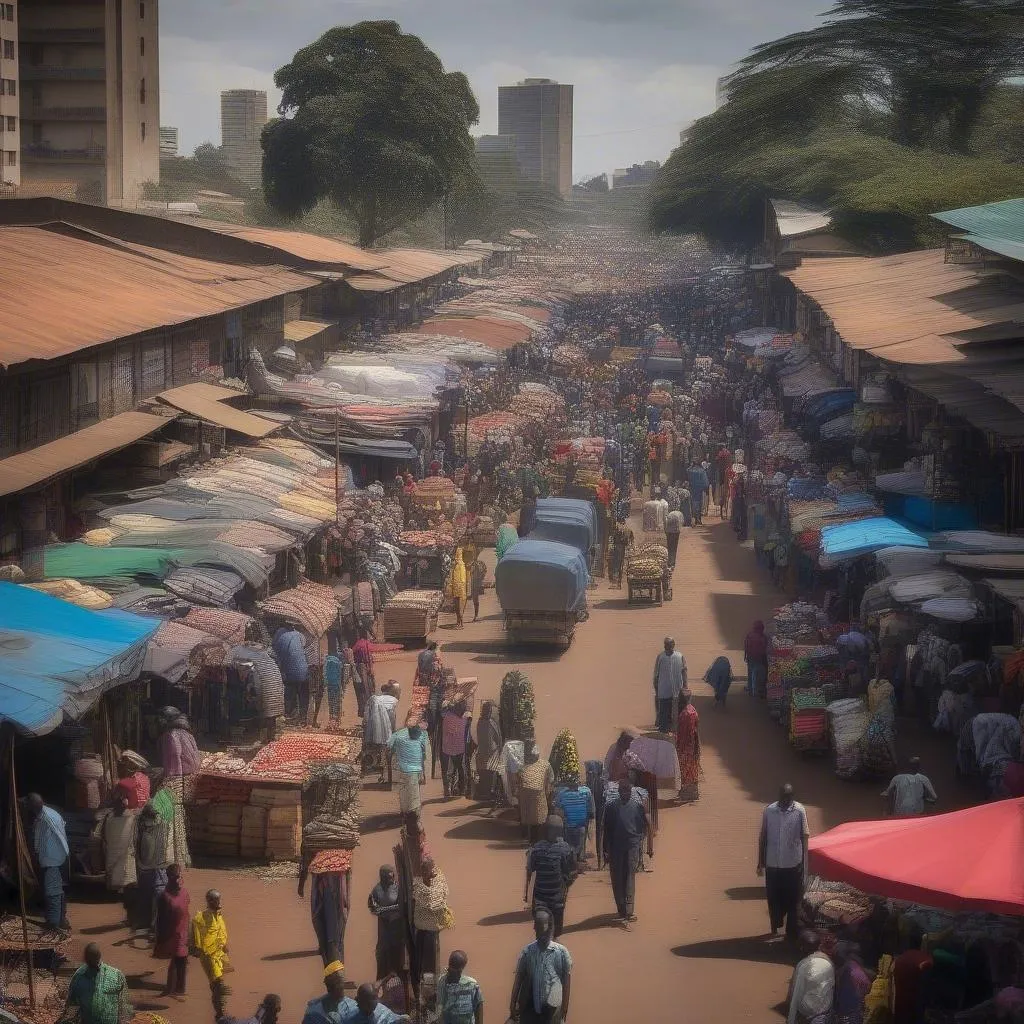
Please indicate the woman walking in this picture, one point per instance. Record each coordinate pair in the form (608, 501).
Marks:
(688, 750)
(488, 748)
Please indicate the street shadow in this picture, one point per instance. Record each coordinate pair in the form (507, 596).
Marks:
(745, 892)
(100, 929)
(592, 924)
(464, 810)
(751, 948)
(380, 823)
(300, 954)
(509, 917)
(480, 828)
(613, 603)
(137, 982)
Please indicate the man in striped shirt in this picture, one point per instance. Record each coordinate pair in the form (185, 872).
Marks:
(554, 865)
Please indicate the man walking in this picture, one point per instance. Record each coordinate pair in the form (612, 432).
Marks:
(210, 945)
(290, 651)
(552, 865)
(540, 992)
(410, 749)
(782, 859)
(669, 681)
(673, 526)
(459, 1000)
(909, 791)
(625, 828)
(98, 993)
(50, 845)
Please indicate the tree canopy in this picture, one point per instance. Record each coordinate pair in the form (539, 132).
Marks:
(888, 111)
(371, 120)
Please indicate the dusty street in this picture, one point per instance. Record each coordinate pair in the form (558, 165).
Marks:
(698, 951)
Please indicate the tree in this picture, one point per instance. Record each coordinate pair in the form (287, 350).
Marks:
(597, 184)
(930, 65)
(371, 120)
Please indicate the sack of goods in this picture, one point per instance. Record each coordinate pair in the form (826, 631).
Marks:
(848, 721)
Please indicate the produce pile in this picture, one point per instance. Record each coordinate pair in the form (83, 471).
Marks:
(424, 540)
(516, 706)
(644, 568)
(565, 758)
(290, 757)
(364, 519)
(659, 398)
(569, 356)
(329, 861)
(589, 452)
(538, 403)
(498, 427)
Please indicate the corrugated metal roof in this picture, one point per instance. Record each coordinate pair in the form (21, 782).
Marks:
(969, 400)
(795, 220)
(373, 283)
(207, 401)
(36, 466)
(1008, 589)
(999, 246)
(489, 331)
(63, 293)
(993, 561)
(883, 305)
(301, 244)
(1003, 220)
(303, 330)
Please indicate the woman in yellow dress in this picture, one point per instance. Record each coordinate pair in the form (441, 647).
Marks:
(457, 586)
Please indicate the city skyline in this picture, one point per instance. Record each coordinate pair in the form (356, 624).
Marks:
(642, 71)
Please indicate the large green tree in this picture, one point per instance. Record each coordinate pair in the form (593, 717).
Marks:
(927, 66)
(371, 120)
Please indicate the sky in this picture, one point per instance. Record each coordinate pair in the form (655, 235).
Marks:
(642, 69)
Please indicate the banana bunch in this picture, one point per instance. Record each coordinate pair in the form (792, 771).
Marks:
(516, 705)
(565, 757)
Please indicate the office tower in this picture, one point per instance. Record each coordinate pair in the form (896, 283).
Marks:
(10, 113)
(168, 141)
(90, 96)
(243, 113)
(538, 112)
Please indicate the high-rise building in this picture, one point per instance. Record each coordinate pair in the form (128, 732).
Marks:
(90, 96)
(168, 141)
(637, 175)
(10, 113)
(538, 112)
(243, 113)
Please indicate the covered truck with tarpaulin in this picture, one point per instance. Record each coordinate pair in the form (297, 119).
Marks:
(569, 521)
(542, 588)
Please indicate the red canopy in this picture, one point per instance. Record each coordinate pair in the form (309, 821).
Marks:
(971, 860)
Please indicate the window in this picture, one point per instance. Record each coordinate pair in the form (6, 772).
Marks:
(9, 49)
(142, 46)
(11, 157)
(9, 86)
(142, 91)
(143, 131)
(12, 124)
(9, 12)
(142, 10)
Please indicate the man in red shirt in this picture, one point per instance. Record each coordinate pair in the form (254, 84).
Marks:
(909, 970)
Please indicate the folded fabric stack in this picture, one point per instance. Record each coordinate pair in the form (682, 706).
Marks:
(412, 613)
(334, 832)
(808, 722)
(848, 721)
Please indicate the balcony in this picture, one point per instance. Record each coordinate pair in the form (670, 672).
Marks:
(62, 35)
(37, 112)
(59, 72)
(41, 153)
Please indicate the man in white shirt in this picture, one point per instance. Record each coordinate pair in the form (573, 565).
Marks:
(782, 859)
(669, 681)
(812, 988)
(909, 792)
(673, 527)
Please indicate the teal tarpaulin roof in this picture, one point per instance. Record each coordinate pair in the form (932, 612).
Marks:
(848, 540)
(57, 658)
(1003, 220)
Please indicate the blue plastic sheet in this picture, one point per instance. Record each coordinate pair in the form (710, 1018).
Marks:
(57, 658)
(848, 540)
(541, 576)
(566, 521)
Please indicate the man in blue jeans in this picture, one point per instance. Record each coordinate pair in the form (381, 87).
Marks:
(50, 844)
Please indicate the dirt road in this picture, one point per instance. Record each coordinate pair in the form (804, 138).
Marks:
(698, 950)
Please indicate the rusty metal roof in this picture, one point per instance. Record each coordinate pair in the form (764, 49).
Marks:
(905, 308)
(303, 330)
(301, 244)
(36, 466)
(490, 331)
(64, 292)
(207, 401)
(374, 283)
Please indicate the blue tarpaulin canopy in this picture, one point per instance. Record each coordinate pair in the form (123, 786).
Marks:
(566, 521)
(848, 540)
(57, 658)
(541, 576)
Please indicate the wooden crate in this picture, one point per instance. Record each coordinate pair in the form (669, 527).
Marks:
(284, 833)
(276, 796)
(252, 844)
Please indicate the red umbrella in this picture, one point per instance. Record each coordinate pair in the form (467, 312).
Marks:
(971, 860)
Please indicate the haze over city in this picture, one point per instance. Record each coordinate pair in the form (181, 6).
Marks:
(642, 71)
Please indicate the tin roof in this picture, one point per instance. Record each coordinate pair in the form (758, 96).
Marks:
(488, 330)
(795, 220)
(208, 402)
(303, 330)
(64, 292)
(905, 308)
(36, 466)
(1003, 220)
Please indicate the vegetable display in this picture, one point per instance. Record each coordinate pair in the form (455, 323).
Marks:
(565, 758)
(517, 707)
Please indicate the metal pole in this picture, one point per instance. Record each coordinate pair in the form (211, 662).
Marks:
(465, 436)
(21, 859)
(337, 466)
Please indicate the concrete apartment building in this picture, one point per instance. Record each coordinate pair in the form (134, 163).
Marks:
(637, 175)
(538, 112)
(10, 114)
(168, 141)
(90, 96)
(243, 113)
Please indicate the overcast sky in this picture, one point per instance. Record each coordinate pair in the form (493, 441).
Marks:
(643, 69)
